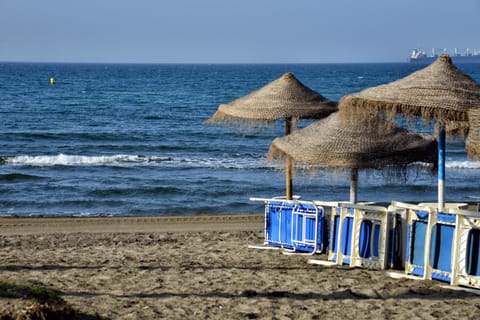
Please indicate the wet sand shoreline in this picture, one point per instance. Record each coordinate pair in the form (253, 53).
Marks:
(172, 223)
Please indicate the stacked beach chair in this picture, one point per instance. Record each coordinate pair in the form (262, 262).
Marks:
(416, 238)
(442, 245)
(466, 249)
(354, 234)
(294, 225)
(359, 235)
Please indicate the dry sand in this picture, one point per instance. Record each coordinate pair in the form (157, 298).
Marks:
(200, 267)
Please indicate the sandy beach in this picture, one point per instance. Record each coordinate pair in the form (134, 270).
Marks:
(200, 267)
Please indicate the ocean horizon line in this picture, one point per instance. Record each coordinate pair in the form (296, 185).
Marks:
(201, 63)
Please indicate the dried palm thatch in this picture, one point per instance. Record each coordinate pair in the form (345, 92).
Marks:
(285, 97)
(367, 143)
(341, 142)
(439, 91)
(473, 139)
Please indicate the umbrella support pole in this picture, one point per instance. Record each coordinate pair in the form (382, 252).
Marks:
(353, 185)
(288, 178)
(288, 164)
(441, 169)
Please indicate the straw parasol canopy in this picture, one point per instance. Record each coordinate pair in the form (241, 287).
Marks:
(285, 97)
(473, 139)
(439, 91)
(341, 142)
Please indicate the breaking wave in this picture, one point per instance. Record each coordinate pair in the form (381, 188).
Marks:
(468, 164)
(231, 162)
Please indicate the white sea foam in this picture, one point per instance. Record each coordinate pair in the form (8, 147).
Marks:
(72, 160)
(129, 160)
(467, 164)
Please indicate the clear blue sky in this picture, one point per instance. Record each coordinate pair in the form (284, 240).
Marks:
(229, 31)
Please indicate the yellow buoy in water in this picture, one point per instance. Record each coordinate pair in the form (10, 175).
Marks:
(52, 80)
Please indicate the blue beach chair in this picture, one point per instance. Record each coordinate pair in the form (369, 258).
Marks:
(442, 246)
(340, 234)
(429, 242)
(466, 249)
(417, 239)
(294, 225)
(308, 228)
(359, 235)
(278, 224)
(398, 234)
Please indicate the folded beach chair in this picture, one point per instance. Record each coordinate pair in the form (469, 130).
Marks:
(417, 240)
(294, 225)
(278, 224)
(398, 233)
(466, 249)
(359, 235)
(429, 242)
(308, 228)
(340, 234)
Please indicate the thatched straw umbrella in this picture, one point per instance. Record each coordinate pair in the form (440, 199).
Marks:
(341, 142)
(473, 139)
(439, 91)
(284, 98)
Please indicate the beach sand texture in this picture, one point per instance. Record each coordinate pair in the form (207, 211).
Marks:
(200, 267)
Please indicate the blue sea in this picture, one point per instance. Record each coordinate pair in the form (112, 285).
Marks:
(129, 139)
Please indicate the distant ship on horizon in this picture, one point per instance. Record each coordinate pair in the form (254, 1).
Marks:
(420, 56)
